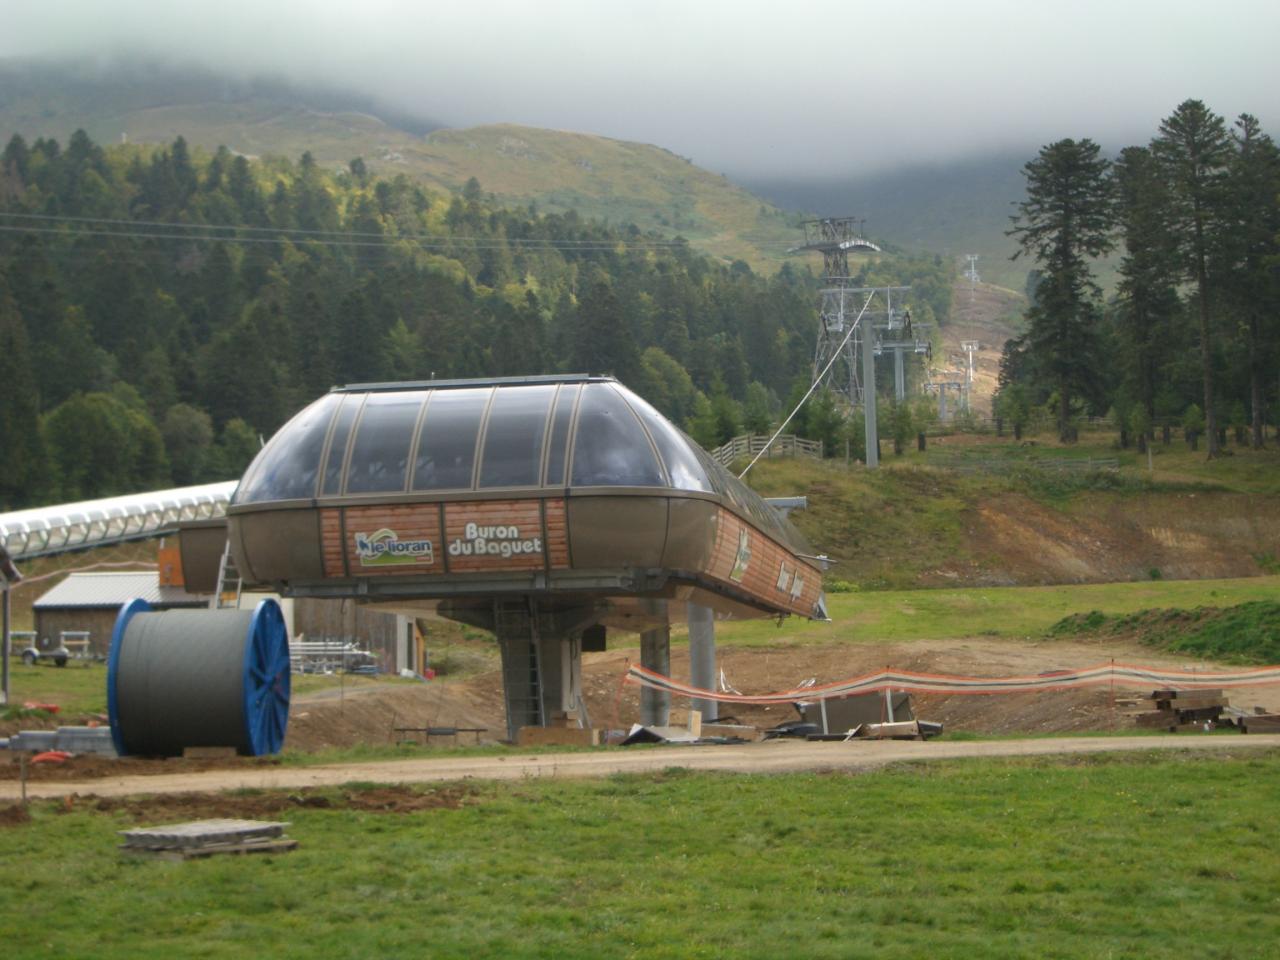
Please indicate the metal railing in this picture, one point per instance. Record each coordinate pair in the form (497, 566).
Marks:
(750, 444)
(330, 655)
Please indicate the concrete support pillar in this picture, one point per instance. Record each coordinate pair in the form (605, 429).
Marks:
(4, 639)
(702, 657)
(570, 673)
(655, 654)
(405, 659)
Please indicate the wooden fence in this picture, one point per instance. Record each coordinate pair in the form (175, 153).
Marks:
(749, 444)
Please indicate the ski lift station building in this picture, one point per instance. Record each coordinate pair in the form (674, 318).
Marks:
(548, 510)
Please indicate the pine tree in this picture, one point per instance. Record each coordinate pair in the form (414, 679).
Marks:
(1147, 297)
(1192, 149)
(21, 453)
(1066, 219)
(1251, 253)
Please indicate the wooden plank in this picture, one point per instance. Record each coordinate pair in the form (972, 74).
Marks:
(1263, 723)
(219, 753)
(1185, 694)
(557, 736)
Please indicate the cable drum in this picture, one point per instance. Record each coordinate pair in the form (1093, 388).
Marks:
(198, 678)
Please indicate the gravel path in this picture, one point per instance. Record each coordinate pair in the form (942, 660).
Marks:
(769, 757)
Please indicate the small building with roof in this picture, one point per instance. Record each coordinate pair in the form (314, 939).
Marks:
(90, 602)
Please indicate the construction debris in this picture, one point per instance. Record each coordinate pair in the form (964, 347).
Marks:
(900, 730)
(1184, 710)
(841, 714)
(863, 716)
(642, 734)
(207, 838)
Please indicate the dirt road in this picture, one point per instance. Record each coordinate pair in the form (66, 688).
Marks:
(770, 757)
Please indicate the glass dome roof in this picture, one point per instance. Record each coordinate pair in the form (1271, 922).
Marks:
(517, 434)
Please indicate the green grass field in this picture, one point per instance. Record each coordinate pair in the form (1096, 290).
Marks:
(1114, 857)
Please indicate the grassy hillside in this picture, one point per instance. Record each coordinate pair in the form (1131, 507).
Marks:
(604, 179)
(1245, 633)
(985, 511)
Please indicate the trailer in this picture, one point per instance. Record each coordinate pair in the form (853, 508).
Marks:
(70, 645)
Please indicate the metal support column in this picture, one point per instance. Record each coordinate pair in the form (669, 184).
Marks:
(655, 654)
(899, 376)
(869, 394)
(9, 575)
(702, 658)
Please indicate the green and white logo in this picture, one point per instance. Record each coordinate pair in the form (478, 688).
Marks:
(383, 548)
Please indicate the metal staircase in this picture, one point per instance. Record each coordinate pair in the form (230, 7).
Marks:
(516, 627)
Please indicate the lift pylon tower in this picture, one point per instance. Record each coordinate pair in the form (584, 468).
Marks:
(898, 335)
(970, 347)
(834, 238)
(958, 387)
(971, 274)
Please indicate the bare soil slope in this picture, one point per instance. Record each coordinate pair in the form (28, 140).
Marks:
(982, 312)
(369, 717)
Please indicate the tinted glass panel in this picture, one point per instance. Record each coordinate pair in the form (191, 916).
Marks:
(513, 437)
(611, 448)
(715, 473)
(558, 446)
(447, 446)
(683, 468)
(380, 454)
(287, 467)
(338, 446)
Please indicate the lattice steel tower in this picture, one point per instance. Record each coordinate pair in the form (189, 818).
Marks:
(838, 307)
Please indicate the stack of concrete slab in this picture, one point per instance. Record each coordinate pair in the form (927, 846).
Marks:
(95, 740)
(206, 838)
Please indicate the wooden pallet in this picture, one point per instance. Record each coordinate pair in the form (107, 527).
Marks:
(212, 850)
(207, 838)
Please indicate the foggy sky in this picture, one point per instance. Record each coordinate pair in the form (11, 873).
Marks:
(742, 87)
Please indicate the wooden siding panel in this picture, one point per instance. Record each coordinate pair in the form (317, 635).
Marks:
(557, 535)
(331, 542)
(521, 538)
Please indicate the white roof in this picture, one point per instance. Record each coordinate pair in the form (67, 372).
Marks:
(114, 589)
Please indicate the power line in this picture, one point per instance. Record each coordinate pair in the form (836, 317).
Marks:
(276, 233)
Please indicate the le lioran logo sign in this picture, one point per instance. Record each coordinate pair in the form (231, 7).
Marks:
(383, 548)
